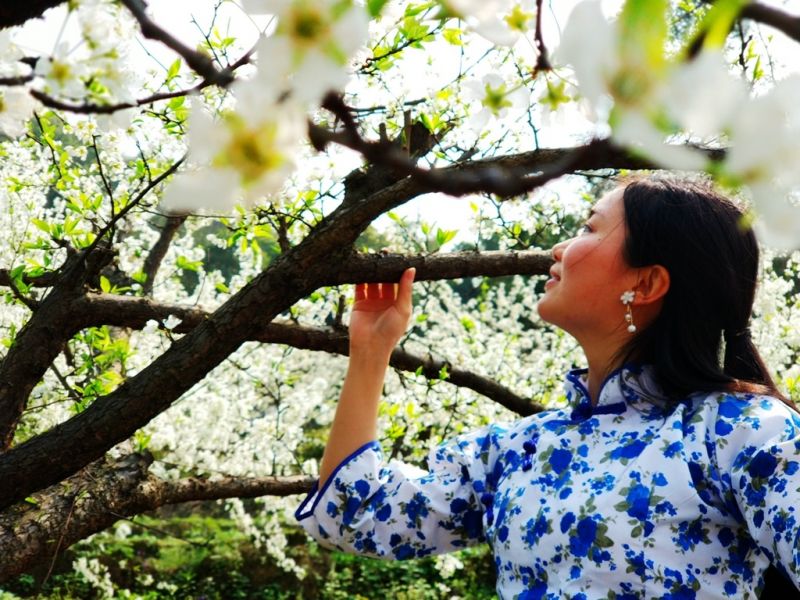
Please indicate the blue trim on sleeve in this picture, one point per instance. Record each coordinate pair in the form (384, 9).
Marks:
(299, 514)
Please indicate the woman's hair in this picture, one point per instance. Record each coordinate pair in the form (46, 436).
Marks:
(702, 240)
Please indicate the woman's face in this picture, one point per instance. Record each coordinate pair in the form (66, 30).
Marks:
(590, 274)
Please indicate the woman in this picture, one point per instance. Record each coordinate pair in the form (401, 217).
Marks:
(675, 471)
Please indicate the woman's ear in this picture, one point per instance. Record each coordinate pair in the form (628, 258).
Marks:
(653, 284)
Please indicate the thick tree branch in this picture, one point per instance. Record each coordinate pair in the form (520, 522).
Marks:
(42, 338)
(774, 17)
(52, 323)
(124, 311)
(33, 532)
(16, 13)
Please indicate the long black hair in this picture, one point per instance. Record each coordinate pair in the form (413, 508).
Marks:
(701, 237)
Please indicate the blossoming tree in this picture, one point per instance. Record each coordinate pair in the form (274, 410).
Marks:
(175, 239)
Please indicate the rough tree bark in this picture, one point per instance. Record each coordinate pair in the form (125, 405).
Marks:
(101, 494)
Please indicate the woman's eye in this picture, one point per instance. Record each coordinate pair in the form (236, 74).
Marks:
(585, 229)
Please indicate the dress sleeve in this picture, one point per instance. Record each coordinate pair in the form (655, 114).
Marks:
(758, 448)
(396, 511)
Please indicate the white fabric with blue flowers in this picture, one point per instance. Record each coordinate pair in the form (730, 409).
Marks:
(631, 498)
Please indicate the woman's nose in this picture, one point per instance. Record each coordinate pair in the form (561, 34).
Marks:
(558, 250)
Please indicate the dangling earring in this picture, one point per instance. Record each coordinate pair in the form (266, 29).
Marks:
(627, 298)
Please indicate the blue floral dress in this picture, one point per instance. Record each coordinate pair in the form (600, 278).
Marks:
(631, 498)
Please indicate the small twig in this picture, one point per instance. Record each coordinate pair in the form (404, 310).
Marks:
(49, 145)
(29, 302)
(63, 380)
(198, 61)
(109, 226)
(159, 251)
(18, 80)
(542, 59)
(60, 541)
(103, 177)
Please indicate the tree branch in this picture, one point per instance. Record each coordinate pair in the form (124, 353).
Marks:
(88, 108)
(35, 531)
(123, 311)
(16, 13)
(774, 17)
(196, 60)
(505, 176)
(42, 338)
(159, 251)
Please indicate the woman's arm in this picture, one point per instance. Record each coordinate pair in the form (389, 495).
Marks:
(380, 317)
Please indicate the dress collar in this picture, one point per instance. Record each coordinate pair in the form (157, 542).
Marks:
(632, 383)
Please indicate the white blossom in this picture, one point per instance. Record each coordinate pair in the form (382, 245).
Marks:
(171, 322)
(309, 51)
(764, 154)
(502, 22)
(244, 155)
(589, 43)
(496, 98)
(16, 107)
(702, 96)
(62, 75)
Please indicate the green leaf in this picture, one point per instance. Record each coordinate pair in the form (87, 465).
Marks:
(375, 7)
(43, 225)
(443, 236)
(185, 264)
(174, 69)
(105, 284)
(452, 36)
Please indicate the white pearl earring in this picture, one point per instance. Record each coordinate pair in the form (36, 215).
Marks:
(627, 298)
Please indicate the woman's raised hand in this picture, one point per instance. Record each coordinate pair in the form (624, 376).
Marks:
(380, 316)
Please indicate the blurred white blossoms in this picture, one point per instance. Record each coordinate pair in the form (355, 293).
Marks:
(699, 100)
(309, 52)
(765, 154)
(502, 22)
(496, 99)
(242, 156)
(62, 75)
(249, 153)
(16, 107)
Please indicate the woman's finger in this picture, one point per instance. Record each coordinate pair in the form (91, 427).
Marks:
(361, 291)
(373, 291)
(387, 291)
(404, 289)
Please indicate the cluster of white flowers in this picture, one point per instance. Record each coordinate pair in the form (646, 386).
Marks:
(502, 22)
(96, 574)
(497, 99)
(16, 104)
(249, 152)
(700, 100)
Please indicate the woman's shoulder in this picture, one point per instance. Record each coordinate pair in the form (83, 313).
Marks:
(741, 406)
(739, 420)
